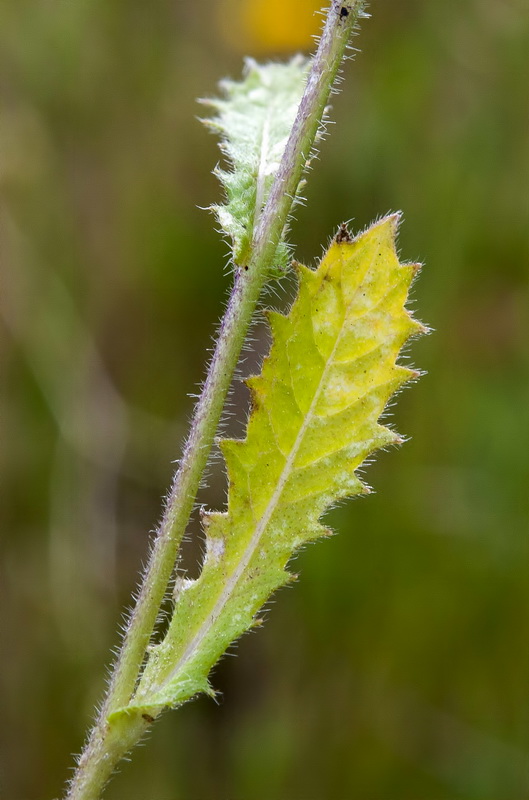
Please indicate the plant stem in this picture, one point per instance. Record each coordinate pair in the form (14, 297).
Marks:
(103, 749)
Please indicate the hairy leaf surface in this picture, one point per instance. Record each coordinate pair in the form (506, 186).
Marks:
(316, 406)
(254, 120)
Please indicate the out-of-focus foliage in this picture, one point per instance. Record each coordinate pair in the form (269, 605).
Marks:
(398, 667)
(269, 25)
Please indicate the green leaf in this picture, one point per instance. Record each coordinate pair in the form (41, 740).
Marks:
(254, 120)
(331, 370)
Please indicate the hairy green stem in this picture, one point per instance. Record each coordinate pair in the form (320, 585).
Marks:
(107, 745)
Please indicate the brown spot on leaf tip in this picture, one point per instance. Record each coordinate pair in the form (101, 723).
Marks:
(343, 234)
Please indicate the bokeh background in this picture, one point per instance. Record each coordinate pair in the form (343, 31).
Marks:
(398, 667)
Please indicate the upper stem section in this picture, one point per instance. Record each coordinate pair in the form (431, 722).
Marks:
(341, 18)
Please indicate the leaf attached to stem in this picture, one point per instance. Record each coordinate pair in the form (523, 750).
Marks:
(331, 370)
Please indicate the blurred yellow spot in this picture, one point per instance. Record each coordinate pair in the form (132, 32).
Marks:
(269, 25)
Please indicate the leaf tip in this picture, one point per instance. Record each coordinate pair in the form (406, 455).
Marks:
(393, 220)
(422, 329)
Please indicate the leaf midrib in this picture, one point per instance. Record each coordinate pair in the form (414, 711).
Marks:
(262, 525)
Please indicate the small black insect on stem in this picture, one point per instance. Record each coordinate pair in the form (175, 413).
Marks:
(344, 12)
(343, 234)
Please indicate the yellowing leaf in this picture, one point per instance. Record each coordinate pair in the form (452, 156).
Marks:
(316, 406)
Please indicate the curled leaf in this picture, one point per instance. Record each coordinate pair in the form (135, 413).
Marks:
(254, 119)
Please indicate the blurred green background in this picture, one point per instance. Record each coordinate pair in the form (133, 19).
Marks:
(398, 667)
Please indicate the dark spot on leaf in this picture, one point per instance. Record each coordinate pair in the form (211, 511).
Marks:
(148, 718)
(344, 12)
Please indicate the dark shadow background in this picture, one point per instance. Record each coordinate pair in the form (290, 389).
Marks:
(397, 668)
